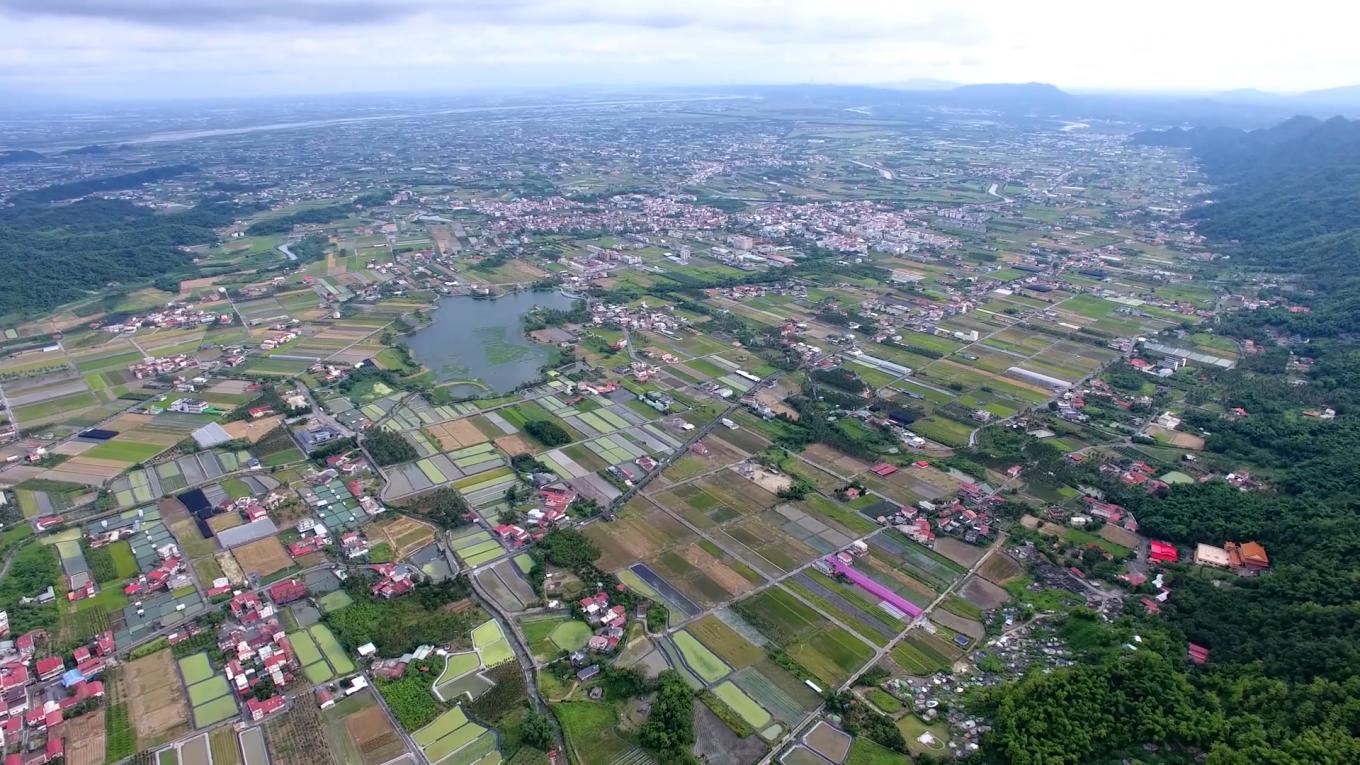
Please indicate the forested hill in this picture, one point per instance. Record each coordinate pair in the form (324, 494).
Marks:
(53, 254)
(1282, 685)
(1289, 196)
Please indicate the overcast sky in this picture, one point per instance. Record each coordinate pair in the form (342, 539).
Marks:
(195, 48)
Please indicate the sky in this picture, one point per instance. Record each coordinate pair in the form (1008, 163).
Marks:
(139, 49)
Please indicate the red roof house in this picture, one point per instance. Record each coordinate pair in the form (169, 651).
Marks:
(287, 591)
(259, 709)
(50, 667)
(1162, 552)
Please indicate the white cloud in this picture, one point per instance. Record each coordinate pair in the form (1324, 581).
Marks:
(141, 48)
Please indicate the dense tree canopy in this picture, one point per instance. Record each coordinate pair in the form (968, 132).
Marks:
(53, 255)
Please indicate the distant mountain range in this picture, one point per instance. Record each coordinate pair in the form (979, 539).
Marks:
(1300, 142)
(1292, 191)
(1238, 109)
(18, 156)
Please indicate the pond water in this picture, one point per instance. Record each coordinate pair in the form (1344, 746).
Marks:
(484, 340)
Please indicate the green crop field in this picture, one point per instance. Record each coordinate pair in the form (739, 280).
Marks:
(458, 664)
(753, 713)
(305, 648)
(335, 653)
(214, 711)
(125, 451)
(195, 668)
(708, 666)
(453, 741)
(918, 657)
(725, 642)
(442, 725)
(207, 690)
(783, 614)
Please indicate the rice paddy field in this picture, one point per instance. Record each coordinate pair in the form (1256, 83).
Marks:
(922, 653)
(210, 696)
(453, 737)
(320, 654)
(827, 651)
(753, 713)
(491, 644)
(475, 547)
(699, 659)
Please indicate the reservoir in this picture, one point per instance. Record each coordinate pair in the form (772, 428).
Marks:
(473, 339)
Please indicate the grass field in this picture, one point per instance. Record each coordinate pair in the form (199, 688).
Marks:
(334, 601)
(590, 732)
(124, 451)
(124, 562)
(570, 636)
(883, 700)
(866, 752)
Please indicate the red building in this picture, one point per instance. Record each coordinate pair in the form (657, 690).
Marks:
(287, 591)
(1163, 552)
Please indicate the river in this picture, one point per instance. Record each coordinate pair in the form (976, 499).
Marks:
(473, 339)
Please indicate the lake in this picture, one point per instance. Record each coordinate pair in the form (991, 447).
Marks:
(484, 340)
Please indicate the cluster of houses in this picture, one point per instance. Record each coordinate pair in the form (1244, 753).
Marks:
(610, 622)
(966, 517)
(29, 703)
(637, 317)
(256, 648)
(554, 501)
(1135, 473)
(276, 338)
(315, 536)
(154, 366)
(192, 406)
(169, 574)
(394, 579)
(293, 401)
(173, 315)
(254, 508)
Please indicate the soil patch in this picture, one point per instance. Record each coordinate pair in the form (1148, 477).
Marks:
(155, 697)
(715, 569)
(715, 742)
(983, 593)
(262, 557)
(959, 551)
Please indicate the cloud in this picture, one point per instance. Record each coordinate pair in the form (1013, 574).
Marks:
(165, 48)
(183, 13)
(765, 19)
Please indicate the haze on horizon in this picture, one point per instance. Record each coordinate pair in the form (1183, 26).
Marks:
(138, 49)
